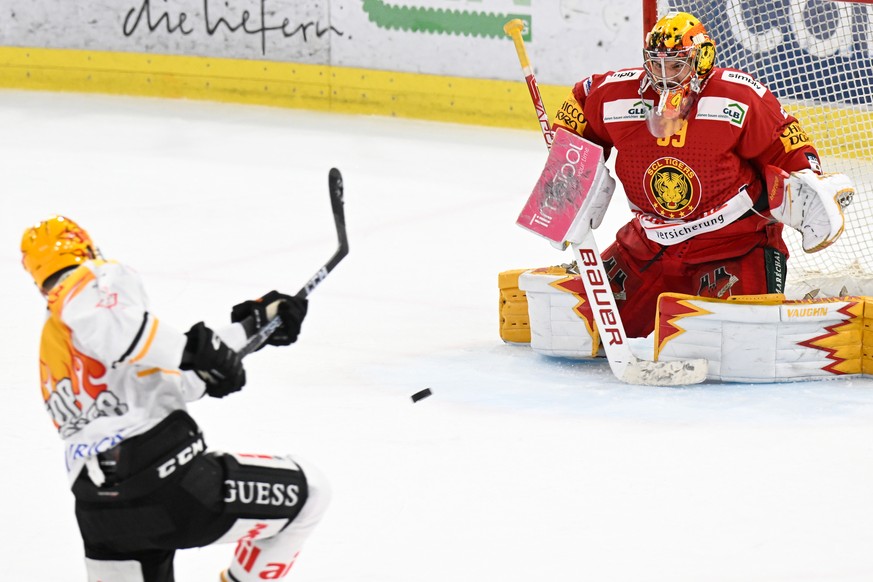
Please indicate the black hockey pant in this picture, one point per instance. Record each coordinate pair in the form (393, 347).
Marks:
(167, 493)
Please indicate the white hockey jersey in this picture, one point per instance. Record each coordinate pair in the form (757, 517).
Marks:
(109, 369)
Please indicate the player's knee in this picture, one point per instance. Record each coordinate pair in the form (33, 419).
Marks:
(318, 493)
(275, 486)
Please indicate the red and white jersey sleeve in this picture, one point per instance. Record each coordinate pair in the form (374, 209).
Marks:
(109, 369)
(574, 114)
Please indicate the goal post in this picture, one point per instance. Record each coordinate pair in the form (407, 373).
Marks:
(816, 56)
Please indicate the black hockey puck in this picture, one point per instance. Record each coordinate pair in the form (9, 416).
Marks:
(421, 395)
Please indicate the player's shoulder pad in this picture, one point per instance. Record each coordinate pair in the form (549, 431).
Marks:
(610, 78)
(622, 76)
(733, 79)
(114, 283)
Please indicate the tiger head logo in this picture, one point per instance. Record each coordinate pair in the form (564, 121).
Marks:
(672, 187)
(671, 190)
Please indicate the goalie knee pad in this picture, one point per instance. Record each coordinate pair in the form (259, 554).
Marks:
(548, 309)
(514, 320)
(766, 338)
(561, 322)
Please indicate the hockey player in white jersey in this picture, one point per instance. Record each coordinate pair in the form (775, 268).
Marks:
(116, 380)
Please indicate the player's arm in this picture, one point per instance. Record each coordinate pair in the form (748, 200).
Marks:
(108, 315)
(110, 319)
(212, 355)
(213, 361)
(571, 115)
(800, 195)
(252, 315)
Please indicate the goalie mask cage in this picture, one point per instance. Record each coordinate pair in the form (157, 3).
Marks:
(816, 56)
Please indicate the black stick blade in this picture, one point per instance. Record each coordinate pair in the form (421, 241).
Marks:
(335, 185)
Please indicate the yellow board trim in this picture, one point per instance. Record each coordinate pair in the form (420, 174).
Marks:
(291, 85)
(842, 132)
(344, 90)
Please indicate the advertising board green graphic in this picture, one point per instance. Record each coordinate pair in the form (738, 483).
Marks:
(444, 20)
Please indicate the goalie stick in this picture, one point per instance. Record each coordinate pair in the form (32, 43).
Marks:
(335, 188)
(514, 28)
(622, 362)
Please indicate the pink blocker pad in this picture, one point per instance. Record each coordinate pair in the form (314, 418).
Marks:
(559, 195)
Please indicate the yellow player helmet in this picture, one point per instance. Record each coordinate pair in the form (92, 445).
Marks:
(53, 245)
(678, 52)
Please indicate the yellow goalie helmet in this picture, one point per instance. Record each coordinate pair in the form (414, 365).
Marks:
(677, 57)
(678, 52)
(53, 245)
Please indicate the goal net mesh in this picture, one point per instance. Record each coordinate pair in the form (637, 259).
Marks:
(816, 56)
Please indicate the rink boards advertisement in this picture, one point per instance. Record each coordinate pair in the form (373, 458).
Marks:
(434, 59)
(462, 38)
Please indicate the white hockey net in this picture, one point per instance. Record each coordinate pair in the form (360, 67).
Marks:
(817, 58)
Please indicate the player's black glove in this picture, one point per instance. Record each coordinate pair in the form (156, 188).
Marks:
(255, 314)
(216, 364)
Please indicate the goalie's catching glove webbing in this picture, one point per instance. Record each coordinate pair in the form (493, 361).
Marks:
(810, 203)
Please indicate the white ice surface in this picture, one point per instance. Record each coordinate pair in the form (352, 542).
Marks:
(518, 468)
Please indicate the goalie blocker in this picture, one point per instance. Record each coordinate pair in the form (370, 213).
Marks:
(572, 194)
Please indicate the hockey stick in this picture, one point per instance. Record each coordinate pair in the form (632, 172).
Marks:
(514, 28)
(622, 362)
(335, 188)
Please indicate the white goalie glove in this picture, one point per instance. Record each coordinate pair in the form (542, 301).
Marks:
(810, 203)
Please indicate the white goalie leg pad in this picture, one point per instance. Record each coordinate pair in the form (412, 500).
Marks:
(561, 325)
(811, 203)
(763, 338)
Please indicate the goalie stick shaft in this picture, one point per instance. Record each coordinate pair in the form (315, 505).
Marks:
(603, 306)
(624, 365)
(335, 188)
(514, 29)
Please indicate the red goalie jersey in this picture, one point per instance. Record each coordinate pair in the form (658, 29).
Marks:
(698, 195)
